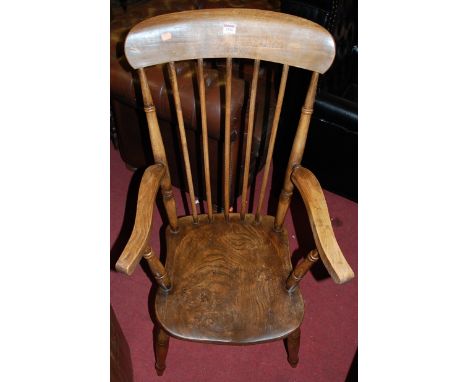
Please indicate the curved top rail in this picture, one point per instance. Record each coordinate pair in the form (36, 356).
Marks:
(236, 33)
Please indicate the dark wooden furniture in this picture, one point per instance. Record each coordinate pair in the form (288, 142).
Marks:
(129, 130)
(120, 361)
(228, 277)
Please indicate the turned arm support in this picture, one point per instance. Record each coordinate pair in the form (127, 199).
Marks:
(138, 244)
(300, 270)
(319, 218)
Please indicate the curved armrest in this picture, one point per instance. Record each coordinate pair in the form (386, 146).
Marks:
(319, 218)
(137, 245)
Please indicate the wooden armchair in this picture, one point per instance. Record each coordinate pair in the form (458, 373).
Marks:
(228, 277)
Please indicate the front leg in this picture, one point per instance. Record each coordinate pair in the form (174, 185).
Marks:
(162, 346)
(293, 342)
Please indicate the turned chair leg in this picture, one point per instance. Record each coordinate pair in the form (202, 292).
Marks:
(162, 346)
(293, 341)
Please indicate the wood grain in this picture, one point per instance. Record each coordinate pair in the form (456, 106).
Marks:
(301, 269)
(297, 152)
(228, 277)
(158, 270)
(206, 159)
(138, 243)
(157, 146)
(162, 347)
(183, 139)
(248, 145)
(271, 143)
(293, 342)
(319, 218)
(227, 140)
(120, 360)
(236, 33)
(229, 282)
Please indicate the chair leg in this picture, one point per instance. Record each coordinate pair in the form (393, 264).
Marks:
(293, 342)
(162, 346)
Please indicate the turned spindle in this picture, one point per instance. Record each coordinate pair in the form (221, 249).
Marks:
(227, 139)
(301, 269)
(296, 152)
(159, 153)
(162, 347)
(158, 270)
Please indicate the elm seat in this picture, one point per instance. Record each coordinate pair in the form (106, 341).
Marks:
(228, 276)
(228, 282)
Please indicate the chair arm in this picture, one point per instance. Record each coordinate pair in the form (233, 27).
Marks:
(138, 244)
(319, 218)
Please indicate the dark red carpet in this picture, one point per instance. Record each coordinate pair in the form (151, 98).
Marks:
(329, 330)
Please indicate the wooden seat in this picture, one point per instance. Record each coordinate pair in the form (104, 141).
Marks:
(228, 276)
(228, 282)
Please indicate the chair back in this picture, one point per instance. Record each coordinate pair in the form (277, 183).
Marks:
(229, 33)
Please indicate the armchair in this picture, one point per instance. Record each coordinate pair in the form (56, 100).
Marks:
(228, 276)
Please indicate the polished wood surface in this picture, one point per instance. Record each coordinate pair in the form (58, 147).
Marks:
(301, 269)
(206, 159)
(320, 223)
(228, 276)
(158, 270)
(219, 33)
(159, 152)
(120, 361)
(227, 139)
(139, 239)
(248, 145)
(183, 138)
(293, 343)
(157, 145)
(297, 151)
(271, 143)
(229, 282)
(162, 347)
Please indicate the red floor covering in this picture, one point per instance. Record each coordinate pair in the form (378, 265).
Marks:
(329, 330)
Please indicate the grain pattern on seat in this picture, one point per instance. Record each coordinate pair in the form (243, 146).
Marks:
(235, 33)
(229, 282)
(228, 276)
